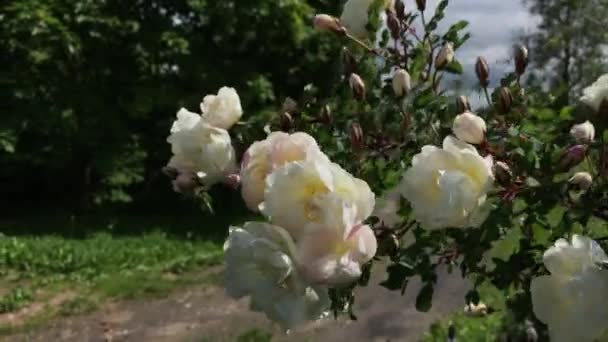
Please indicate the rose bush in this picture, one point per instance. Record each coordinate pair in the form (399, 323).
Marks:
(386, 164)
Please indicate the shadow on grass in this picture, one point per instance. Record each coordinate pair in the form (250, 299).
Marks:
(180, 218)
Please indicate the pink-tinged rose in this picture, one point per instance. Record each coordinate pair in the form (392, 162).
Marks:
(267, 155)
(331, 252)
(294, 194)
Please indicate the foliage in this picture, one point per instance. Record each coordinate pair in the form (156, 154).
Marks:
(96, 261)
(567, 48)
(14, 300)
(375, 134)
(100, 256)
(89, 86)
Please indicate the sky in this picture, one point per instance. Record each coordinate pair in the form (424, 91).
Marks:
(493, 25)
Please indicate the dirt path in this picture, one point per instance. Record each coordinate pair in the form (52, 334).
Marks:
(206, 314)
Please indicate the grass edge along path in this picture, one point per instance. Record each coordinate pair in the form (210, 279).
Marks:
(95, 269)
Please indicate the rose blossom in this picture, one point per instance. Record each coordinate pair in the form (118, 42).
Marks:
(265, 156)
(447, 186)
(200, 148)
(222, 110)
(571, 299)
(260, 263)
(332, 251)
(293, 193)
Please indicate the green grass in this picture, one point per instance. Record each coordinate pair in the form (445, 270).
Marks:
(15, 300)
(102, 257)
(77, 306)
(474, 329)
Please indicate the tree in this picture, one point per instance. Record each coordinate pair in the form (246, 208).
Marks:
(89, 86)
(569, 47)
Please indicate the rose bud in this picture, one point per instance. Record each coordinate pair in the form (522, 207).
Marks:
(185, 182)
(469, 128)
(233, 180)
(583, 133)
(325, 22)
(503, 173)
(348, 61)
(445, 56)
(463, 104)
(393, 24)
(325, 114)
(400, 9)
(285, 122)
(290, 106)
(421, 5)
(573, 156)
(505, 100)
(582, 179)
(521, 59)
(482, 70)
(402, 83)
(357, 86)
(356, 136)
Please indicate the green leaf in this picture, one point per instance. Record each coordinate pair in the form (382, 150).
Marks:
(597, 228)
(454, 67)
(540, 234)
(459, 26)
(555, 216)
(424, 300)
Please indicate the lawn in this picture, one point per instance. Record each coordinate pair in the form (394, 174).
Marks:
(57, 264)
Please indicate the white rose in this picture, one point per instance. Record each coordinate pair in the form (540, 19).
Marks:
(447, 187)
(332, 252)
(594, 95)
(264, 156)
(260, 264)
(222, 110)
(469, 128)
(583, 133)
(294, 194)
(570, 300)
(200, 148)
(355, 16)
